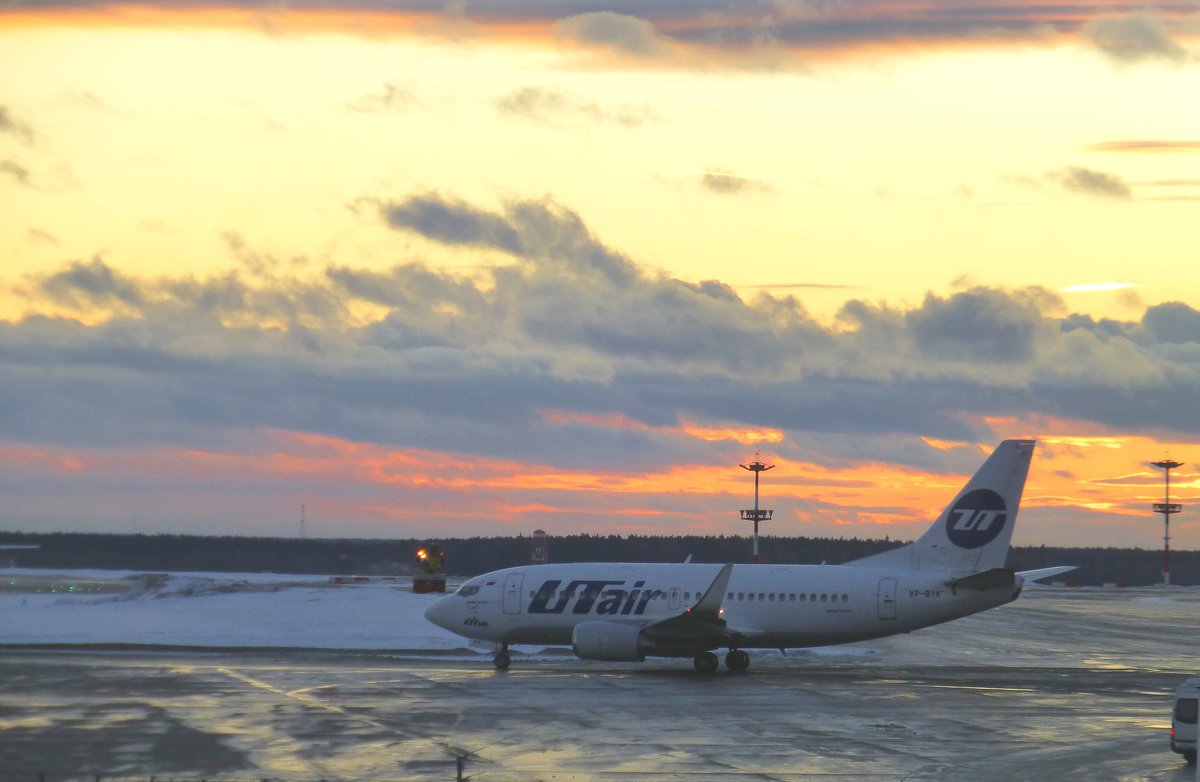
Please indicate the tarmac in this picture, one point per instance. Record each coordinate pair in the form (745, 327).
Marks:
(1062, 685)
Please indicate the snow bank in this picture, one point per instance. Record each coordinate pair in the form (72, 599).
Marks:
(223, 610)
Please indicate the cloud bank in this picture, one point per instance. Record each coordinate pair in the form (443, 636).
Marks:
(690, 34)
(420, 357)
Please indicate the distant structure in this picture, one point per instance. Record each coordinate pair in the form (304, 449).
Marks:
(12, 559)
(756, 514)
(540, 554)
(1166, 508)
(303, 523)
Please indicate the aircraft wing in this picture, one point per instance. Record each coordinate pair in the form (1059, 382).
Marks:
(702, 624)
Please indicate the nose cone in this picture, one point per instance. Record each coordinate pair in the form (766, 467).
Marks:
(442, 613)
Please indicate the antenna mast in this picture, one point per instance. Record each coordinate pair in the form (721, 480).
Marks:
(756, 515)
(1166, 508)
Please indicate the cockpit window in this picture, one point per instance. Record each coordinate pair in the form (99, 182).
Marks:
(467, 591)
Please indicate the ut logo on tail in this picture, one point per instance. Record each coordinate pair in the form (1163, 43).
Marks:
(976, 519)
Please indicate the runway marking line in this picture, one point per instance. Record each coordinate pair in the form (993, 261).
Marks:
(303, 697)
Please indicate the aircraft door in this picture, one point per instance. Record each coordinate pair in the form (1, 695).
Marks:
(512, 593)
(675, 604)
(887, 598)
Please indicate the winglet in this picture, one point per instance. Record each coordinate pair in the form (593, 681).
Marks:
(701, 626)
(710, 604)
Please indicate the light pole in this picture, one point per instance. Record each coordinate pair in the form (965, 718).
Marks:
(1166, 508)
(756, 515)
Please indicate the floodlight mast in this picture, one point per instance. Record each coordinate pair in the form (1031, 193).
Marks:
(1166, 508)
(756, 515)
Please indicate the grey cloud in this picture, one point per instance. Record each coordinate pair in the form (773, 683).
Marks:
(1134, 37)
(1094, 183)
(977, 325)
(453, 222)
(555, 106)
(726, 183)
(42, 237)
(227, 297)
(621, 32)
(93, 283)
(536, 230)
(392, 98)
(1105, 328)
(17, 171)
(10, 124)
(1173, 322)
(1152, 146)
(580, 292)
(535, 103)
(405, 287)
(425, 308)
(472, 363)
(752, 28)
(718, 290)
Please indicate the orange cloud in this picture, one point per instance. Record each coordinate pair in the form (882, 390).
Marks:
(944, 445)
(1150, 146)
(739, 434)
(710, 433)
(1085, 485)
(363, 21)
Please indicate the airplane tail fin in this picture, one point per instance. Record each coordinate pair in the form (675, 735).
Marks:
(974, 531)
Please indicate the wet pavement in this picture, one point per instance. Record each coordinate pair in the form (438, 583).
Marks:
(1062, 685)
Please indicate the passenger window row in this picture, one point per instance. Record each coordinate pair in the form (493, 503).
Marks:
(787, 597)
(748, 597)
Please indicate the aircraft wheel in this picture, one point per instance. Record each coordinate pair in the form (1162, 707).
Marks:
(706, 662)
(737, 660)
(501, 661)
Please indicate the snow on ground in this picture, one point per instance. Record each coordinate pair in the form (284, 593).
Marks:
(221, 610)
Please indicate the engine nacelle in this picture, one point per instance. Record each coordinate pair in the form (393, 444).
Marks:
(608, 641)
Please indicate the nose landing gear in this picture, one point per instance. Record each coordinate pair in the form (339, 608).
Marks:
(501, 660)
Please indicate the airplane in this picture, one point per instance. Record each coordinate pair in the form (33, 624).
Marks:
(629, 611)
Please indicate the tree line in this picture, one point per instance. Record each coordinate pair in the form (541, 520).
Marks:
(471, 556)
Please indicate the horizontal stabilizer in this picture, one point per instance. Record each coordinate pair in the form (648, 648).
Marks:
(1046, 572)
(985, 579)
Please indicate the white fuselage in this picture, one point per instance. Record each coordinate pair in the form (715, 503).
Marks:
(769, 606)
(623, 612)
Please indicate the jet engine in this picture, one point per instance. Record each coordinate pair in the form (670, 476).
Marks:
(602, 640)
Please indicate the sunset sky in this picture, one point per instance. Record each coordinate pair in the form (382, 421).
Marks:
(469, 268)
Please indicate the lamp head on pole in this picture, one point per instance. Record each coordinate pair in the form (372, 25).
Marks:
(756, 465)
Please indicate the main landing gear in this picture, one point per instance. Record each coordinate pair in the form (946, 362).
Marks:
(736, 661)
(501, 660)
(706, 662)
